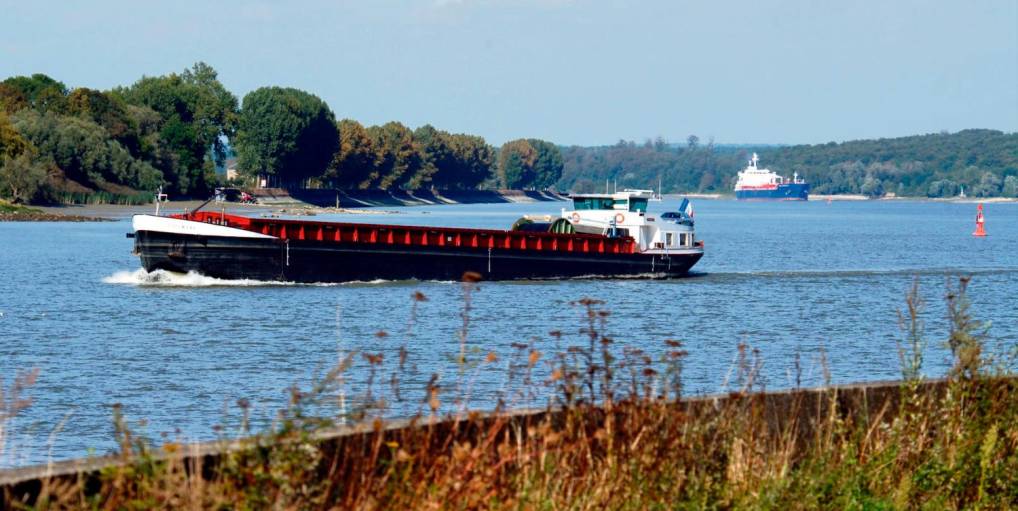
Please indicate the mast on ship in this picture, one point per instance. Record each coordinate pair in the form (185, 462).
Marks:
(160, 197)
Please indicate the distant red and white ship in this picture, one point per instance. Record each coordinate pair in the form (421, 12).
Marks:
(755, 183)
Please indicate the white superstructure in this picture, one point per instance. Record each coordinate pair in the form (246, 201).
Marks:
(755, 178)
(171, 225)
(625, 214)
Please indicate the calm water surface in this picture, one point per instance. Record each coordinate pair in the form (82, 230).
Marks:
(178, 351)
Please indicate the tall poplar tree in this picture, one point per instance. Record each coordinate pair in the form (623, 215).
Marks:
(286, 133)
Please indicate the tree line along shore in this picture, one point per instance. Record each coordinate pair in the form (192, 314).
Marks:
(61, 145)
(181, 131)
(978, 162)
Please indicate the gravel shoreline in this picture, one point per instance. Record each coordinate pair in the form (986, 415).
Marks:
(42, 216)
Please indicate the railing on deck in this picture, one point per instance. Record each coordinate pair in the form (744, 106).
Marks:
(419, 236)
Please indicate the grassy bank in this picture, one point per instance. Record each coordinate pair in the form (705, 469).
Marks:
(616, 434)
(103, 197)
(17, 213)
(8, 208)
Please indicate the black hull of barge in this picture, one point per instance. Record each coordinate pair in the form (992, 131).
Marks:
(314, 261)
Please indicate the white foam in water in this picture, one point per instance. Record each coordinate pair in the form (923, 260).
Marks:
(163, 278)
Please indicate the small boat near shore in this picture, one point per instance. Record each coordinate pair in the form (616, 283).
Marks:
(603, 235)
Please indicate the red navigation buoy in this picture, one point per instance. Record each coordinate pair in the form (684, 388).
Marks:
(980, 229)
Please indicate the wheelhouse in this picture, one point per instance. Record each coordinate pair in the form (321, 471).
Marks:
(610, 202)
(624, 214)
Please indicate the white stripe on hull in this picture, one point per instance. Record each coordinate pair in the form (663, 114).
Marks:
(189, 227)
(673, 251)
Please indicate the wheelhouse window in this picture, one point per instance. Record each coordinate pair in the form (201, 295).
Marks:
(620, 232)
(588, 203)
(638, 205)
(669, 240)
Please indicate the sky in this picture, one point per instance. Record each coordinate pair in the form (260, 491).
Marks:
(581, 72)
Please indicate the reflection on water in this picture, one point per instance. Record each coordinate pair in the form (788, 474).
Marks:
(792, 280)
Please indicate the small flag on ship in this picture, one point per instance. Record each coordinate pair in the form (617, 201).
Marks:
(686, 208)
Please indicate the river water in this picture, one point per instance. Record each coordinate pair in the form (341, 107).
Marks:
(815, 287)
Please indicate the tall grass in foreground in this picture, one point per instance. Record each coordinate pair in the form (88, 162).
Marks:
(13, 400)
(615, 436)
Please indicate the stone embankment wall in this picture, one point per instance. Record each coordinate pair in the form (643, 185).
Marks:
(366, 198)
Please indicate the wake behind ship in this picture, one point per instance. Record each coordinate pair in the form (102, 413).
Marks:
(604, 235)
(755, 183)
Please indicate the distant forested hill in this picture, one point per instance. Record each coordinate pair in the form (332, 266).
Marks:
(984, 162)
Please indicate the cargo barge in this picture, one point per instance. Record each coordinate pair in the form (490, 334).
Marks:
(604, 235)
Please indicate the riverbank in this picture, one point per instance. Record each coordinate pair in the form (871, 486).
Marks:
(277, 201)
(862, 198)
(391, 198)
(314, 202)
(18, 213)
(909, 444)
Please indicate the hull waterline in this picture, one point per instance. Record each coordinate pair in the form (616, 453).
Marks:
(786, 192)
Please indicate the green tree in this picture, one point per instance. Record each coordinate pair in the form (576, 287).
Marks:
(989, 185)
(1010, 188)
(942, 188)
(198, 116)
(22, 173)
(529, 163)
(547, 169)
(353, 166)
(12, 144)
(151, 147)
(872, 187)
(12, 99)
(584, 185)
(51, 99)
(439, 165)
(84, 151)
(39, 90)
(21, 177)
(107, 111)
(285, 133)
(516, 161)
(473, 161)
(398, 158)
